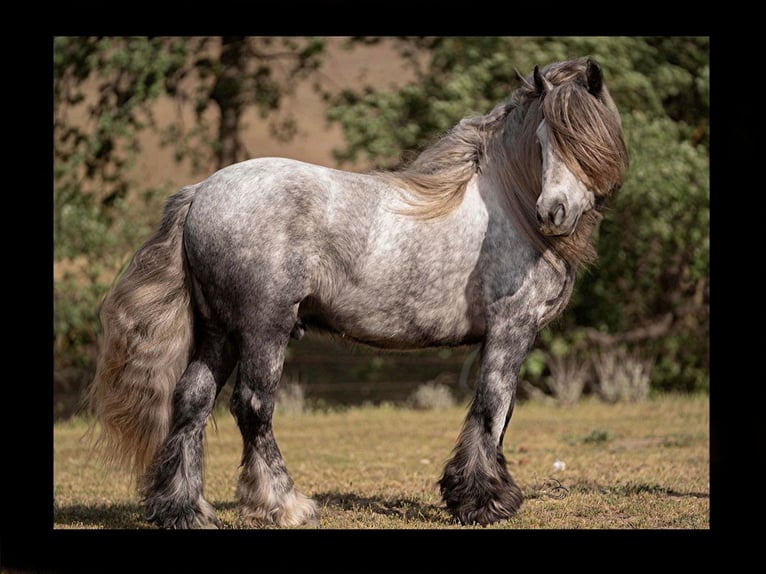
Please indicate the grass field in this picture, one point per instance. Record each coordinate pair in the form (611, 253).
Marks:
(625, 466)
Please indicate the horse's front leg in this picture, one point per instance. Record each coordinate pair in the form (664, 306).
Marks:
(476, 484)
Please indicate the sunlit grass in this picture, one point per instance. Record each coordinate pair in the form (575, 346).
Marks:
(631, 465)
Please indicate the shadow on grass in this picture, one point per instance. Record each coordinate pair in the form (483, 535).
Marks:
(404, 508)
(117, 516)
(553, 488)
(631, 489)
(130, 516)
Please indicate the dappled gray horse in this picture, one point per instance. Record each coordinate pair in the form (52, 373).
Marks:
(477, 241)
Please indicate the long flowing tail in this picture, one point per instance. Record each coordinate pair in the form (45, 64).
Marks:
(147, 341)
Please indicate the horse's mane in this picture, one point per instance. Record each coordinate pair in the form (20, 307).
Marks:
(502, 145)
(436, 180)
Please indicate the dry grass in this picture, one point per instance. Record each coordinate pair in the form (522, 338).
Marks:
(622, 376)
(568, 376)
(628, 466)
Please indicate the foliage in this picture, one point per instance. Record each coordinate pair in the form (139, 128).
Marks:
(654, 242)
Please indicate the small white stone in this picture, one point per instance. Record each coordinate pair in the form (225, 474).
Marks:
(559, 465)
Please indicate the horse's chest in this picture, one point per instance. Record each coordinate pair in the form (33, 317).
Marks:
(547, 293)
(534, 291)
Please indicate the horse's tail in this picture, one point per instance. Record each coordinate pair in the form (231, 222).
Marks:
(147, 341)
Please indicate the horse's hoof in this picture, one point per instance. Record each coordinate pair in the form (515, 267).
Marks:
(191, 522)
(469, 504)
(483, 516)
(201, 518)
(297, 509)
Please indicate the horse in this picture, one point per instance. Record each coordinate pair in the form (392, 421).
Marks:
(477, 241)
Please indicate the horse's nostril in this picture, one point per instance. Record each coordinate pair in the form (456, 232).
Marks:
(558, 214)
(539, 218)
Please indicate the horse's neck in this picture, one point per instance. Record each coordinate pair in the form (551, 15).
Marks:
(564, 253)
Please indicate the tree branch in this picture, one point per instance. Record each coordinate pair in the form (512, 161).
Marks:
(652, 330)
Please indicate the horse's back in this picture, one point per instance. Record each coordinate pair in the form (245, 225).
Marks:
(279, 187)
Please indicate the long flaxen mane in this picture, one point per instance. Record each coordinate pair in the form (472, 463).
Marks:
(502, 145)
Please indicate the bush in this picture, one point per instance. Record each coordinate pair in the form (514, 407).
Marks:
(432, 396)
(622, 376)
(568, 376)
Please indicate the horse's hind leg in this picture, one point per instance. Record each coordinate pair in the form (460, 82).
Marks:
(171, 489)
(265, 492)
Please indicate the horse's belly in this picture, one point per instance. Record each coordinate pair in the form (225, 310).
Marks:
(411, 284)
(400, 314)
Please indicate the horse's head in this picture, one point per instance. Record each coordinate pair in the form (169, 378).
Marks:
(581, 143)
(564, 197)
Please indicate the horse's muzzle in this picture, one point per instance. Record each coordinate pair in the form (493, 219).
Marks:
(555, 220)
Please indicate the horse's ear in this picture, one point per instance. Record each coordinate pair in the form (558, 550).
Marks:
(542, 85)
(595, 77)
